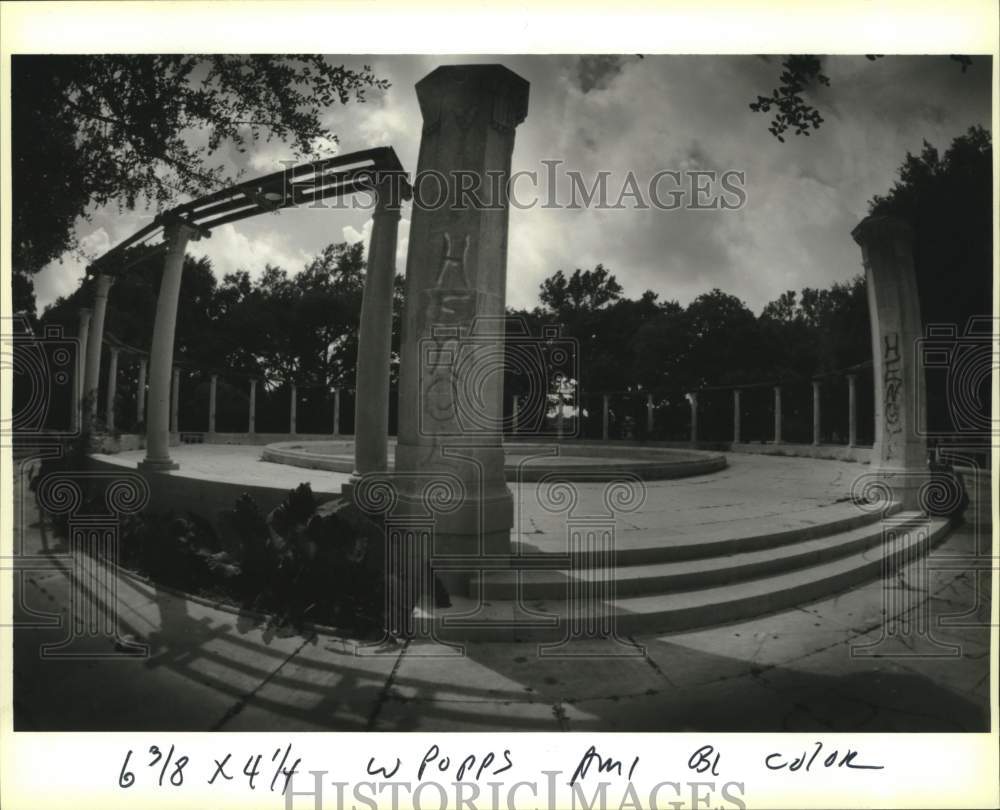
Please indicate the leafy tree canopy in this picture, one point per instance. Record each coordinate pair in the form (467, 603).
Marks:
(792, 103)
(96, 129)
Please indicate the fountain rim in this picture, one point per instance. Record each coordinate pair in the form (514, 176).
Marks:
(648, 462)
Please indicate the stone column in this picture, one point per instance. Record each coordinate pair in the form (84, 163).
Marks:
(252, 423)
(514, 414)
(451, 370)
(900, 451)
(649, 414)
(95, 342)
(693, 400)
(336, 411)
(161, 355)
(371, 399)
(777, 414)
(109, 404)
(82, 336)
(212, 385)
(852, 410)
(605, 410)
(175, 402)
(293, 395)
(817, 415)
(140, 393)
(737, 417)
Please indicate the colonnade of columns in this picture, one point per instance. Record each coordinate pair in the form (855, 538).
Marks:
(86, 337)
(737, 437)
(159, 409)
(817, 413)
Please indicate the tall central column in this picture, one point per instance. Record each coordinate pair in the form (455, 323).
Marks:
(371, 400)
(176, 236)
(94, 342)
(900, 448)
(451, 371)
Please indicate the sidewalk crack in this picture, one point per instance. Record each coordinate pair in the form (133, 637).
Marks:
(237, 707)
(386, 687)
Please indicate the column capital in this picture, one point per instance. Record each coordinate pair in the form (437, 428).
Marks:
(881, 226)
(177, 234)
(388, 192)
(103, 284)
(175, 229)
(883, 241)
(454, 95)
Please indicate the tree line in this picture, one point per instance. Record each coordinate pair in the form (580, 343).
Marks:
(282, 326)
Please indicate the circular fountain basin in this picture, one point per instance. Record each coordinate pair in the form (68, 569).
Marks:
(530, 461)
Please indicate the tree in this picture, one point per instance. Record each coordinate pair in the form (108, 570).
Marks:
(948, 201)
(584, 290)
(96, 129)
(817, 330)
(723, 342)
(791, 102)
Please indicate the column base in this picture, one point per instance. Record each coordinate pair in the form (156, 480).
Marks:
(906, 485)
(158, 465)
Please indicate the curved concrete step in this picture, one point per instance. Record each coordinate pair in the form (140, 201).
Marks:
(549, 620)
(682, 575)
(644, 547)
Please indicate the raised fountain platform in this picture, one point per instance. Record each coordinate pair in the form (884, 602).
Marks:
(530, 461)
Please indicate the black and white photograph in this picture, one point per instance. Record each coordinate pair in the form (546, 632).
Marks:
(498, 392)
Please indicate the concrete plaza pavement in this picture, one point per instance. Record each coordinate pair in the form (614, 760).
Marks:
(799, 670)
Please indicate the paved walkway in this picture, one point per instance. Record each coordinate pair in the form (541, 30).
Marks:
(212, 669)
(754, 494)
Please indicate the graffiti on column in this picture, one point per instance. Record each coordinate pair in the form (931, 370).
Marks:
(450, 311)
(892, 382)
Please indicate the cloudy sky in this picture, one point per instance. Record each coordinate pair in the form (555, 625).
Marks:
(626, 114)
